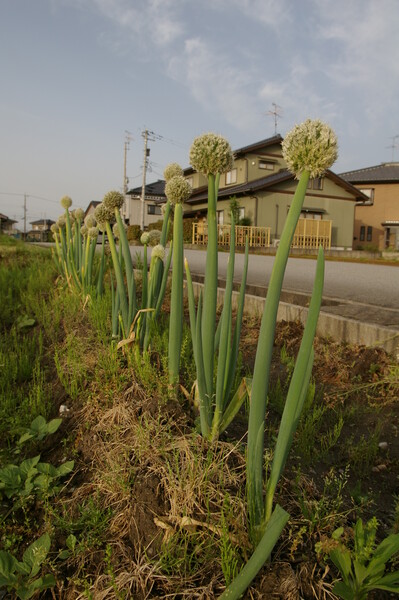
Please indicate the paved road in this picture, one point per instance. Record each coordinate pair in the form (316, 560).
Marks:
(375, 285)
(361, 292)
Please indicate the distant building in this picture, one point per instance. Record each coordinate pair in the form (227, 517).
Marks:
(7, 225)
(40, 230)
(91, 208)
(154, 198)
(377, 215)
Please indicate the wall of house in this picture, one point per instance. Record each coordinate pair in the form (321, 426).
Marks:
(273, 207)
(385, 208)
(135, 213)
(240, 166)
(271, 155)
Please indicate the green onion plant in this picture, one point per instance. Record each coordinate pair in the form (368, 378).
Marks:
(309, 149)
(211, 154)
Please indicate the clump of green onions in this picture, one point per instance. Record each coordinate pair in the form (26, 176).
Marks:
(309, 149)
(211, 154)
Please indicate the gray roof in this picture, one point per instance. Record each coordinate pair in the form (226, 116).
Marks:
(156, 189)
(264, 183)
(42, 222)
(384, 173)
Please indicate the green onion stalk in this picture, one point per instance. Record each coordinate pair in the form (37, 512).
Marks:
(309, 149)
(105, 214)
(177, 190)
(159, 270)
(211, 154)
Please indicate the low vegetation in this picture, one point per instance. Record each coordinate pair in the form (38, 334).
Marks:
(132, 503)
(157, 446)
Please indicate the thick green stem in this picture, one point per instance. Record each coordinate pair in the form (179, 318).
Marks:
(210, 289)
(261, 554)
(176, 301)
(297, 389)
(263, 362)
(225, 339)
(120, 284)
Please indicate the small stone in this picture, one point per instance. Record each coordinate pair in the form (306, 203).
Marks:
(383, 445)
(63, 409)
(382, 467)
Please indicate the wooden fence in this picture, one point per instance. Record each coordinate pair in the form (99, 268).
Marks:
(309, 233)
(258, 237)
(312, 233)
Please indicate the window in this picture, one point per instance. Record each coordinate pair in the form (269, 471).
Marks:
(219, 216)
(231, 176)
(369, 233)
(266, 164)
(362, 233)
(153, 209)
(241, 213)
(369, 192)
(190, 180)
(316, 184)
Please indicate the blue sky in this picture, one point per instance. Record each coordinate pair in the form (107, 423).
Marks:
(77, 74)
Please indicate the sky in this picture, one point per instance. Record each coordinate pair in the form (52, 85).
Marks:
(81, 80)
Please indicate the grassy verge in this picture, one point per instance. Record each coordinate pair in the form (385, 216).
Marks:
(151, 509)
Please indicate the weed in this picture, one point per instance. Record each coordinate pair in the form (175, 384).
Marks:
(363, 566)
(21, 576)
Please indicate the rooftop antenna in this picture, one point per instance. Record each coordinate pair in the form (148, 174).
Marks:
(393, 145)
(276, 114)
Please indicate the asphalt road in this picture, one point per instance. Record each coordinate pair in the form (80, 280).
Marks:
(369, 284)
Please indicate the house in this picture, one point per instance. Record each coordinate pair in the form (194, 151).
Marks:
(91, 208)
(264, 187)
(376, 217)
(7, 225)
(154, 197)
(40, 230)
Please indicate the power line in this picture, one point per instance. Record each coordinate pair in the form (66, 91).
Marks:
(29, 195)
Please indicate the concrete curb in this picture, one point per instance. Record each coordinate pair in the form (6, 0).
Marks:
(340, 329)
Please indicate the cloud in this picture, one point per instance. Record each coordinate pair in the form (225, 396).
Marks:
(215, 82)
(272, 13)
(152, 20)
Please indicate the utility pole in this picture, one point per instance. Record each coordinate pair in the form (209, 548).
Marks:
(126, 211)
(24, 216)
(146, 154)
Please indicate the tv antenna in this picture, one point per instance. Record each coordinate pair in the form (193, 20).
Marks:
(394, 145)
(276, 114)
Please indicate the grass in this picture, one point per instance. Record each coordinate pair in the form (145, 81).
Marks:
(152, 510)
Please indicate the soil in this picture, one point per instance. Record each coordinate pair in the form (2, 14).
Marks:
(122, 471)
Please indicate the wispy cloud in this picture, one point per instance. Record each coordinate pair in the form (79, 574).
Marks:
(215, 82)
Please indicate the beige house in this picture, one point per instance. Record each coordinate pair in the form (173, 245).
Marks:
(154, 197)
(265, 188)
(377, 216)
(40, 230)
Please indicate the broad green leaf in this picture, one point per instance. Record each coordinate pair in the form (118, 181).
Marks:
(388, 547)
(343, 591)
(36, 553)
(53, 425)
(65, 468)
(341, 557)
(47, 469)
(7, 564)
(27, 468)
